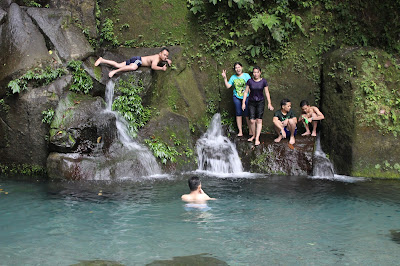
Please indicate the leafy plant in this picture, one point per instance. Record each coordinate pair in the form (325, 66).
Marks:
(37, 77)
(48, 116)
(162, 150)
(82, 82)
(107, 32)
(129, 106)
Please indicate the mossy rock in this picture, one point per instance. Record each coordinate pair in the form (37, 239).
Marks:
(173, 130)
(360, 101)
(81, 125)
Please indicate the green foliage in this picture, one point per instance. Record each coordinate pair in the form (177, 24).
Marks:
(31, 3)
(48, 116)
(129, 105)
(124, 26)
(377, 105)
(37, 77)
(22, 169)
(82, 82)
(4, 106)
(107, 32)
(162, 150)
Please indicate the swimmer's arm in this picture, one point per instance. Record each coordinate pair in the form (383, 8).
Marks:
(169, 62)
(206, 197)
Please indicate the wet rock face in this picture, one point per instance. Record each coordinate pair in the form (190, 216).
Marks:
(3, 15)
(83, 10)
(277, 158)
(81, 125)
(353, 132)
(22, 132)
(58, 26)
(22, 45)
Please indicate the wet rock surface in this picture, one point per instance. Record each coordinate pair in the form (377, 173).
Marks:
(57, 25)
(22, 131)
(22, 45)
(117, 163)
(81, 125)
(353, 132)
(276, 158)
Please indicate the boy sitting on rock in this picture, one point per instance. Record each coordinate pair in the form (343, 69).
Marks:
(310, 116)
(285, 122)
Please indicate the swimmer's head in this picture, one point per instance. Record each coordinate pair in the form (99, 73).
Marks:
(194, 183)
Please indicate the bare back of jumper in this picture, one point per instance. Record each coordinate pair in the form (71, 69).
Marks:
(148, 60)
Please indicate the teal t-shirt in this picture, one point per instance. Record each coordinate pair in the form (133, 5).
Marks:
(239, 84)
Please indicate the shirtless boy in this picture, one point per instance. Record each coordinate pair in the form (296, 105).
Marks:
(310, 115)
(197, 195)
(137, 61)
(285, 122)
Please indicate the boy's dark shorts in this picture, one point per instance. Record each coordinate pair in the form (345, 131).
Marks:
(135, 60)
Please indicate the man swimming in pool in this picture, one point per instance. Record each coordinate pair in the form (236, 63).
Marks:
(135, 62)
(196, 195)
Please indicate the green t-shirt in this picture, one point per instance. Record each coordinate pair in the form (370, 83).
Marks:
(283, 117)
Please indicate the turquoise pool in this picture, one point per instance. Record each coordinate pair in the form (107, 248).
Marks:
(257, 220)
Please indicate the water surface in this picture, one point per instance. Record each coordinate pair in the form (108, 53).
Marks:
(256, 220)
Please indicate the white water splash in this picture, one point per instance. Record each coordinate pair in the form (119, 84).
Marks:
(145, 157)
(323, 168)
(216, 153)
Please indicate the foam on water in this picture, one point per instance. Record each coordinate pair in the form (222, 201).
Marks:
(147, 159)
(216, 153)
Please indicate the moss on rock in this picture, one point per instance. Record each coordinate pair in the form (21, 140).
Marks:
(360, 102)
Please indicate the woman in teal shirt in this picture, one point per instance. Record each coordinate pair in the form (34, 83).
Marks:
(238, 82)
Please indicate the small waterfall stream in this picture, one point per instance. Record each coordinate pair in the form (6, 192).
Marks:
(322, 167)
(146, 158)
(216, 153)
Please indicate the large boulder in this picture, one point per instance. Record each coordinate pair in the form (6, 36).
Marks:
(85, 144)
(22, 45)
(277, 158)
(3, 15)
(82, 11)
(81, 125)
(59, 27)
(174, 130)
(360, 103)
(119, 162)
(22, 132)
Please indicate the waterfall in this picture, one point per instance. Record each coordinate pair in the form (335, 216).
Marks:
(216, 153)
(322, 167)
(144, 156)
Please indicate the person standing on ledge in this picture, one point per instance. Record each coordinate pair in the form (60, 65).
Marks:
(285, 122)
(197, 195)
(257, 86)
(238, 82)
(135, 62)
